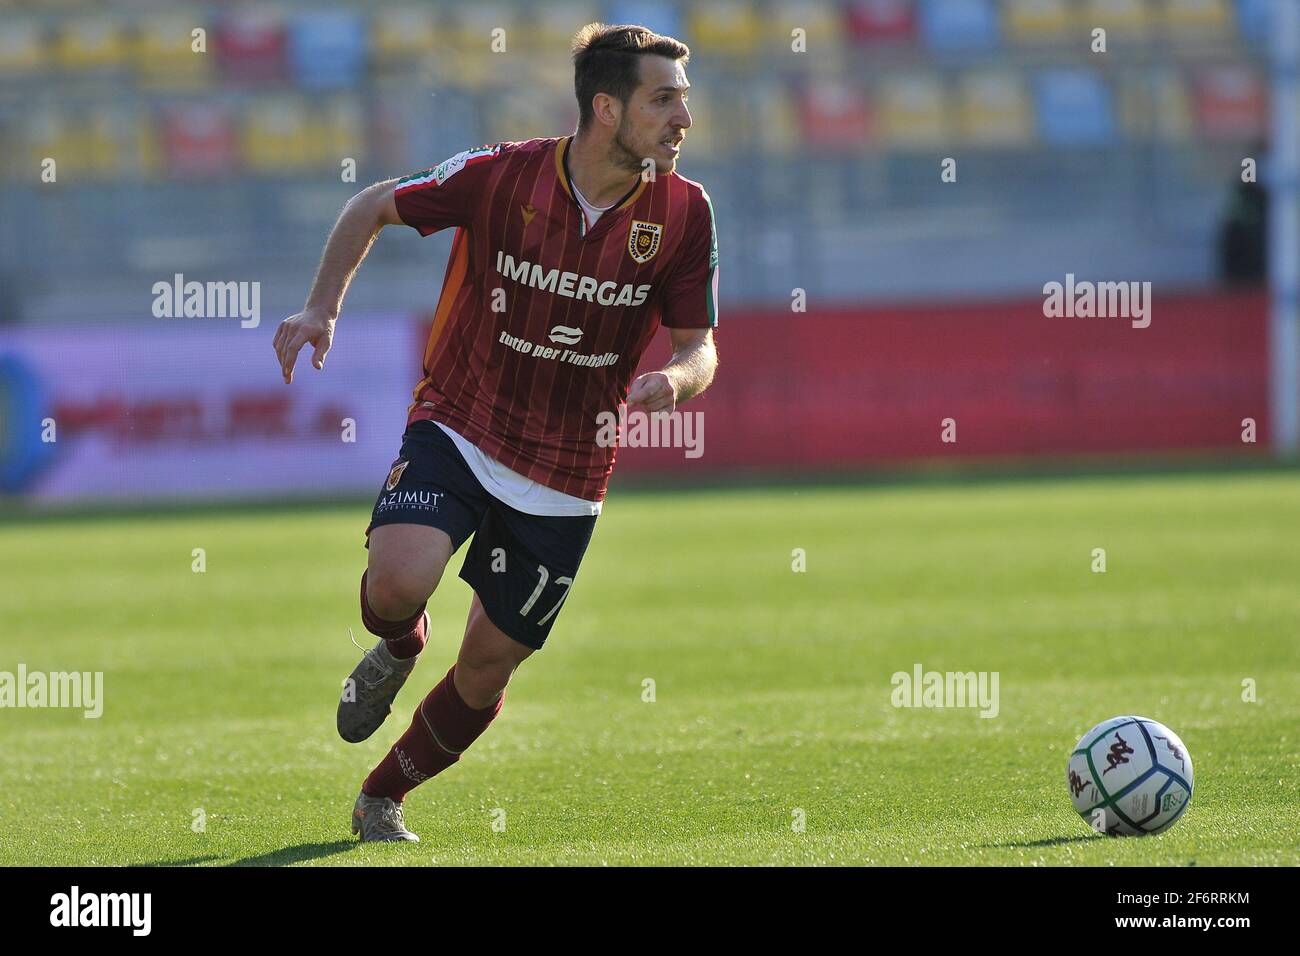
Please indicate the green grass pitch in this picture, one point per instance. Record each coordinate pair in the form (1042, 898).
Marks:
(772, 687)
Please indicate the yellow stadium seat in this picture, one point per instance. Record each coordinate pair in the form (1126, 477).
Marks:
(342, 129)
(552, 73)
(276, 137)
(1039, 21)
(163, 54)
(519, 113)
(49, 133)
(1173, 108)
(913, 111)
(715, 132)
(554, 24)
(22, 48)
(485, 27)
(1121, 19)
(91, 43)
(730, 27)
(1197, 19)
(994, 109)
(821, 21)
(468, 68)
(778, 133)
(400, 33)
(1155, 106)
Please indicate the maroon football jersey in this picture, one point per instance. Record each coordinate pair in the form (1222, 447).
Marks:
(541, 322)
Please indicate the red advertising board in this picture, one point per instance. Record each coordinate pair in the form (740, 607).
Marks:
(866, 387)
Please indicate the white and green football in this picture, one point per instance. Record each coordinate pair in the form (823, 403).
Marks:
(1130, 776)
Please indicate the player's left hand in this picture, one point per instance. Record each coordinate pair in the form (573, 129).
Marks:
(652, 392)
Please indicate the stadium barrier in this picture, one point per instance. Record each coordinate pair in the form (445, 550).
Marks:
(188, 410)
(857, 388)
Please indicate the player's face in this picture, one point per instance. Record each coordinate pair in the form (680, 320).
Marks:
(656, 118)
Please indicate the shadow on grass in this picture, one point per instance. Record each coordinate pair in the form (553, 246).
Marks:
(297, 854)
(192, 861)
(1033, 844)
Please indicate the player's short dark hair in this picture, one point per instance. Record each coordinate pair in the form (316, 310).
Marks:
(606, 59)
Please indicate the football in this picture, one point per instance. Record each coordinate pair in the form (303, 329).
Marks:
(1130, 776)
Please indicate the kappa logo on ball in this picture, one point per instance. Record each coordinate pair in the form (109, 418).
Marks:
(395, 475)
(643, 240)
(565, 335)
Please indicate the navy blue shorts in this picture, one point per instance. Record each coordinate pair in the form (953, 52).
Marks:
(520, 565)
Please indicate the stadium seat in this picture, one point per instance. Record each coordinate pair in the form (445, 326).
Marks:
(90, 43)
(1074, 108)
(836, 116)
(327, 50)
(1155, 105)
(250, 46)
(1121, 19)
(50, 133)
(720, 125)
(1253, 20)
(554, 25)
(162, 53)
(949, 26)
(22, 48)
(993, 109)
(821, 20)
(472, 29)
(277, 137)
(1196, 20)
(913, 111)
(725, 27)
(198, 140)
(1029, 22)
(1230, 102)
(662, 16)
(107, 143)
(778, 134)
(342, 130)
(398, 34)
(881, 21)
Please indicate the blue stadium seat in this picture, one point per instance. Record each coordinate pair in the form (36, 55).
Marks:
(959, 25)
(1253, 18)
(1074, 108)
(328, 50)
(658, 15)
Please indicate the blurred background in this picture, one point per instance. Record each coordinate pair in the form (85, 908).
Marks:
(866, 298)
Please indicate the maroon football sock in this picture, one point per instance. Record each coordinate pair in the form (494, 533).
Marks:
(442, 729)
(404, 639)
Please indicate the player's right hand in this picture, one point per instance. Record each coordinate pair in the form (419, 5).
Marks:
(310, 325)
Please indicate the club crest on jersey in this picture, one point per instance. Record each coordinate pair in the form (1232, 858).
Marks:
(643, 240)
(395, 475)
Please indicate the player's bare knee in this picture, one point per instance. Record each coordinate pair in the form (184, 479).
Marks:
(395, 596)
(481, 681)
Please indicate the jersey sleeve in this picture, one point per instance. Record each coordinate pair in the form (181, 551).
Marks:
(447, 194)
(691, 294)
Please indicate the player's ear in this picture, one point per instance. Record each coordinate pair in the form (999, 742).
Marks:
(606, 109)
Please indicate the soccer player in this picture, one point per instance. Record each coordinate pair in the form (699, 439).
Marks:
(568, 254)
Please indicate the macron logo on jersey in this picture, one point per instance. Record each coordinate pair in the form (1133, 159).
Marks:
(570, 284)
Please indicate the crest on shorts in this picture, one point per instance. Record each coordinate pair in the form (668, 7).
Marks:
(395, 475)
(643, 240)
